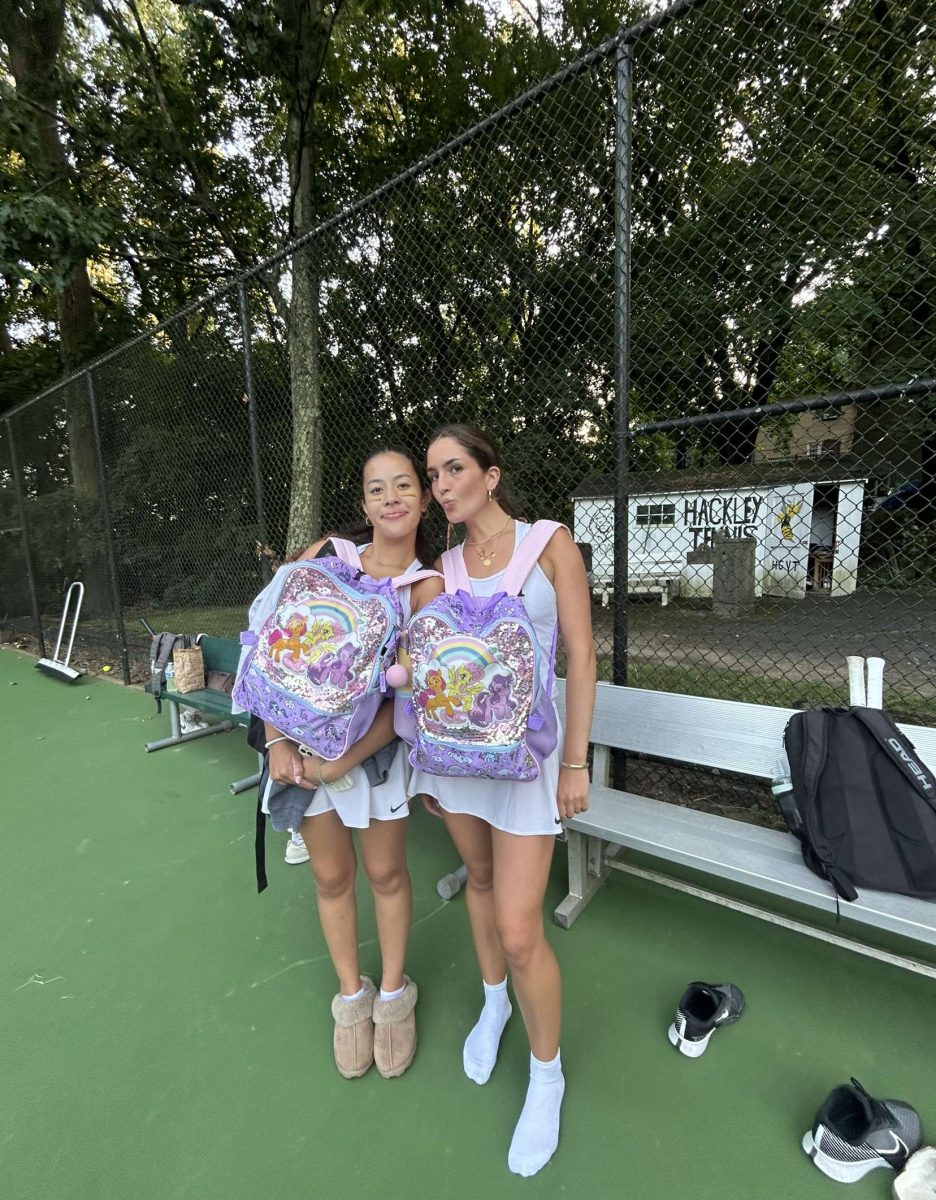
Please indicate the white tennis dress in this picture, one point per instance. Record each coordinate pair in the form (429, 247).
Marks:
(362, 802)
(523, 808)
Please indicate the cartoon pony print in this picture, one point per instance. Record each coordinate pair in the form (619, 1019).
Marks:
(786, 520)
(495, 704)
(336, 668)
(440, 697)
(465, 682)
(433, 697)
(289, 642)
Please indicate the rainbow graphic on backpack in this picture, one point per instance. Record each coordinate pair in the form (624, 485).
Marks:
(318, 658)
(480, 706)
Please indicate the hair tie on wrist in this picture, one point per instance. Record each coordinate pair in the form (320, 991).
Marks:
(272, 742)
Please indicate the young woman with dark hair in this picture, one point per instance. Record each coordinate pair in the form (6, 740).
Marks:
(370, 1023)
(505, 830)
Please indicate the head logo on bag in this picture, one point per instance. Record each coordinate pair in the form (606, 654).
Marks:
(479, 703)
(317, 664)
(915, 767)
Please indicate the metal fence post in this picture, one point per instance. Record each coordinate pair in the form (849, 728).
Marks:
(623, 129)
(266, 567)
(108, 534)
(27, 548)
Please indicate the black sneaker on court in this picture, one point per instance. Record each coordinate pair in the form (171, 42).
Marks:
(853, 1134)
(703, 1008)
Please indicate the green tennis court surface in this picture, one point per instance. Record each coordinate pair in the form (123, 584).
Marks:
(166, 1031)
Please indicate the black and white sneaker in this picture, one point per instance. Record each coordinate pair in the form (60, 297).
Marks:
(703, 1008)
(853, 1134)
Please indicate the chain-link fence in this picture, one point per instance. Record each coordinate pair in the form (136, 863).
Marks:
(631, 278)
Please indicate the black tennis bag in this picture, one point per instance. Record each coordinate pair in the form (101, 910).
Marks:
(863, 805)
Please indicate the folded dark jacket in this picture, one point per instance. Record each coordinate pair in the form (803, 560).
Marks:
(287, 802)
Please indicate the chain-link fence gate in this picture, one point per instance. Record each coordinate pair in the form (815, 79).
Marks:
(634, 278)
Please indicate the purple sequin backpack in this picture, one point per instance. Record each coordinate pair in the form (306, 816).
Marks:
(318, 662)
(479, 706)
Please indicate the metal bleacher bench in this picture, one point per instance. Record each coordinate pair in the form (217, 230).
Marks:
(735, 739)
(220, 654)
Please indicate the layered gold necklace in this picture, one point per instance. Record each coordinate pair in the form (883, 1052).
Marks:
(487, 556)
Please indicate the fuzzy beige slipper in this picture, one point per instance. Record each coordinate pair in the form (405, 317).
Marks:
(395, 1031)
(917, 1181)
(354, 1031)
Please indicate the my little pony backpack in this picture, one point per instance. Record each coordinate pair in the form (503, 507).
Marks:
(479, 706)
(318, 661)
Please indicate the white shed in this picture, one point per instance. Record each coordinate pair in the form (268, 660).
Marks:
(806, 518)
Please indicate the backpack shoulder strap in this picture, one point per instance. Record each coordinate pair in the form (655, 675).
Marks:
(900, 750)
(526, 555)
(347, 552)
(415, 576)
(454, 571)
(161, 650)
(806, 771)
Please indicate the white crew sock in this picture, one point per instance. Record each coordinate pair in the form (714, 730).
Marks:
(537, 1134)
(393, 995)
(358, 995)
(480, 1053)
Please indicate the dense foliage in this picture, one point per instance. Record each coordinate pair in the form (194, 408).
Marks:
(150, 152)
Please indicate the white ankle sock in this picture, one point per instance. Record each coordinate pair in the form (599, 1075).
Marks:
(480, 1053)
(537, 1134)
(393, 995)
(357, 995)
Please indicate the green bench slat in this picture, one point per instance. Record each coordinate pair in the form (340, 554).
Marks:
(220, 654)
(210, 701)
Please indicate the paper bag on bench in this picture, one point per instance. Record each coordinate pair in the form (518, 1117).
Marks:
(189, 669)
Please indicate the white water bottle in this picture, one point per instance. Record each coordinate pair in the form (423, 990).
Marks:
(782, 788)
(781, 779)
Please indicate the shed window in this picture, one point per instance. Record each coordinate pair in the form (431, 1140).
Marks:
(656, 514)
(826, 446)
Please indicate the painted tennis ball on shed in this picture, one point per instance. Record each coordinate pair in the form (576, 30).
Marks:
(398, 676)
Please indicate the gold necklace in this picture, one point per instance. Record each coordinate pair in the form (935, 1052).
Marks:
(487, 556)
(395, 567)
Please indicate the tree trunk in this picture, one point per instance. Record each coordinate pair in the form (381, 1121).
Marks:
(307, 29)
(305, 501)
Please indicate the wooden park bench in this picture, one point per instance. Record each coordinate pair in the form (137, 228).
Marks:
(741, 740)
(220, 654)
(663, 583)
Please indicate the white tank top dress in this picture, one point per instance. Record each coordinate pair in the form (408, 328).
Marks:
(525, 808)
(364, 802)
